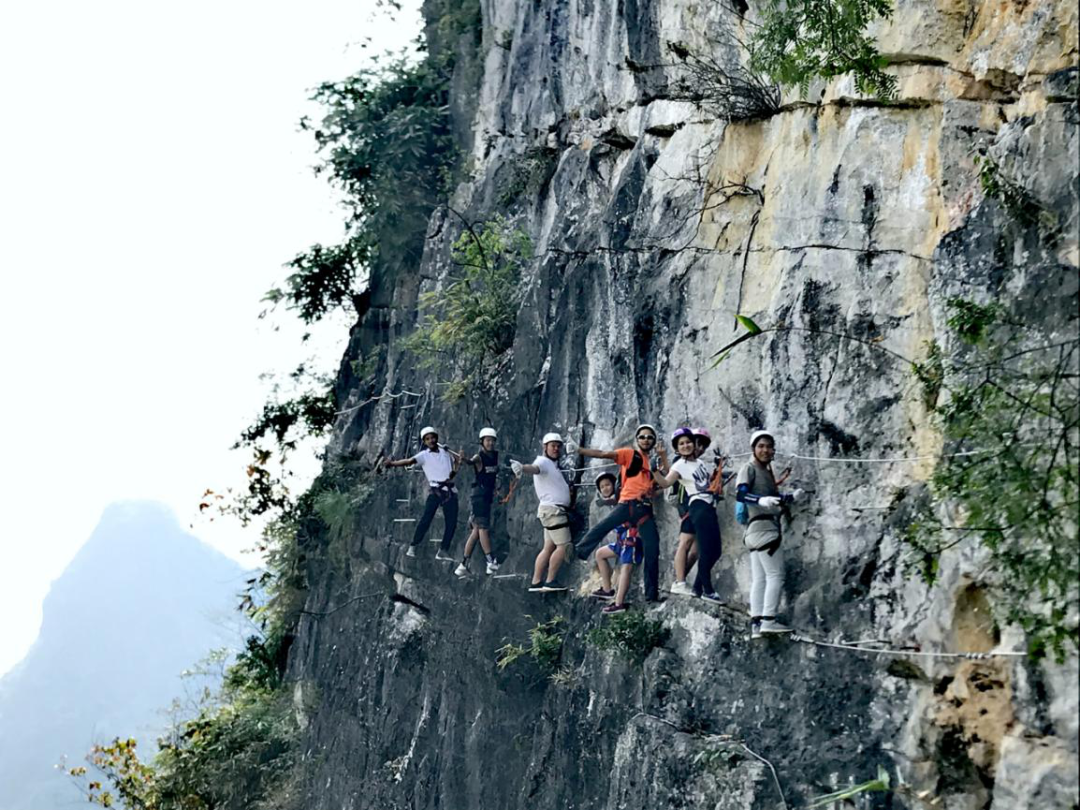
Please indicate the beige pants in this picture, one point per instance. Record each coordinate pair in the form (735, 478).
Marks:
(556, 522)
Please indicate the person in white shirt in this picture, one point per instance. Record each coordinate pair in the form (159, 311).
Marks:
(553, 492)
(698, 475)
(439, 465)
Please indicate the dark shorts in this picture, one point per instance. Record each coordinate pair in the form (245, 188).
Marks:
(686, 525)
(481, 513)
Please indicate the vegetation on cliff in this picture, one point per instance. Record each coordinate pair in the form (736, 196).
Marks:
(799, 42)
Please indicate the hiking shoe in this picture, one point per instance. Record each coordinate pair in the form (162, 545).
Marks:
(602, 595)
(771, 626)
(607, 610)
(462, 570)
(442, 556)
(411, 552)
(714, 598)
(492, 566)
(536, 587)
(681, 588)
(755, 628)
(552, 587)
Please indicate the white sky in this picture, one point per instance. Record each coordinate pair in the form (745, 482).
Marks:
(152, 183)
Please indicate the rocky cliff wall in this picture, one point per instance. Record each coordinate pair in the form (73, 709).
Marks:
(655, 221)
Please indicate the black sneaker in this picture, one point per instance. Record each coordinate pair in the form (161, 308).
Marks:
(602, 595)
(552, 587)
(536, 587)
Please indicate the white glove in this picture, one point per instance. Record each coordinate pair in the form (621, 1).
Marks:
(516, 467)
(798, 496)
(769, 502)
(570, 447)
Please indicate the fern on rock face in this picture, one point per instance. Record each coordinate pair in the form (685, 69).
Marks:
(544, 647)
(470, 321)
(633, 634)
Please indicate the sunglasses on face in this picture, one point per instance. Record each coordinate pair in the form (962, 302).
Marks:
(645, 437)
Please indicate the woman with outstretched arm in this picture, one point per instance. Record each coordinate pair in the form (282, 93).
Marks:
(635, 503)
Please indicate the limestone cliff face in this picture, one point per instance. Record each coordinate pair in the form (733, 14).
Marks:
(655, 221)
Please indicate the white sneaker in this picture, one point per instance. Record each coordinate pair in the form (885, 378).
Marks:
(462, 570)
(681, 588)
(442, 556)
(492, 567)
(411, 552)
(755, 628)
(773, 626)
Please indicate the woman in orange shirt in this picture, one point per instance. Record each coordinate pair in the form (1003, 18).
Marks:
(635, 503)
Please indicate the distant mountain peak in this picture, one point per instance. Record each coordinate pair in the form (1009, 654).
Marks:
(142, 601)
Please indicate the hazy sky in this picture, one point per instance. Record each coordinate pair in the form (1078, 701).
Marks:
(152, 183)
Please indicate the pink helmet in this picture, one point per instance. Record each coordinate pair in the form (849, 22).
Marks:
(702, 433)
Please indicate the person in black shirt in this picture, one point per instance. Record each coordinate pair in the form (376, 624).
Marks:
(486, 466)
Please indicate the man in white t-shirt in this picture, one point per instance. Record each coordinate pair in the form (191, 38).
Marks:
(439, 465)
(553, 492)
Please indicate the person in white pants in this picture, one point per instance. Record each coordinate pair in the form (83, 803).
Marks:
(756, 488)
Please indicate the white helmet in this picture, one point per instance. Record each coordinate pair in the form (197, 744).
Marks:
(552, 437)
(645, 426)
(425, 431)
(486, 432)
(758, 434)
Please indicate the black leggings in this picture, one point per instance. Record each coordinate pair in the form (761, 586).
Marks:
(707, 528)
(630, 512)
(449, 503)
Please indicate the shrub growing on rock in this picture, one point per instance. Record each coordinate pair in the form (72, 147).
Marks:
(632, 634)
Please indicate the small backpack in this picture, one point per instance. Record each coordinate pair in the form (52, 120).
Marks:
(742, 511)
